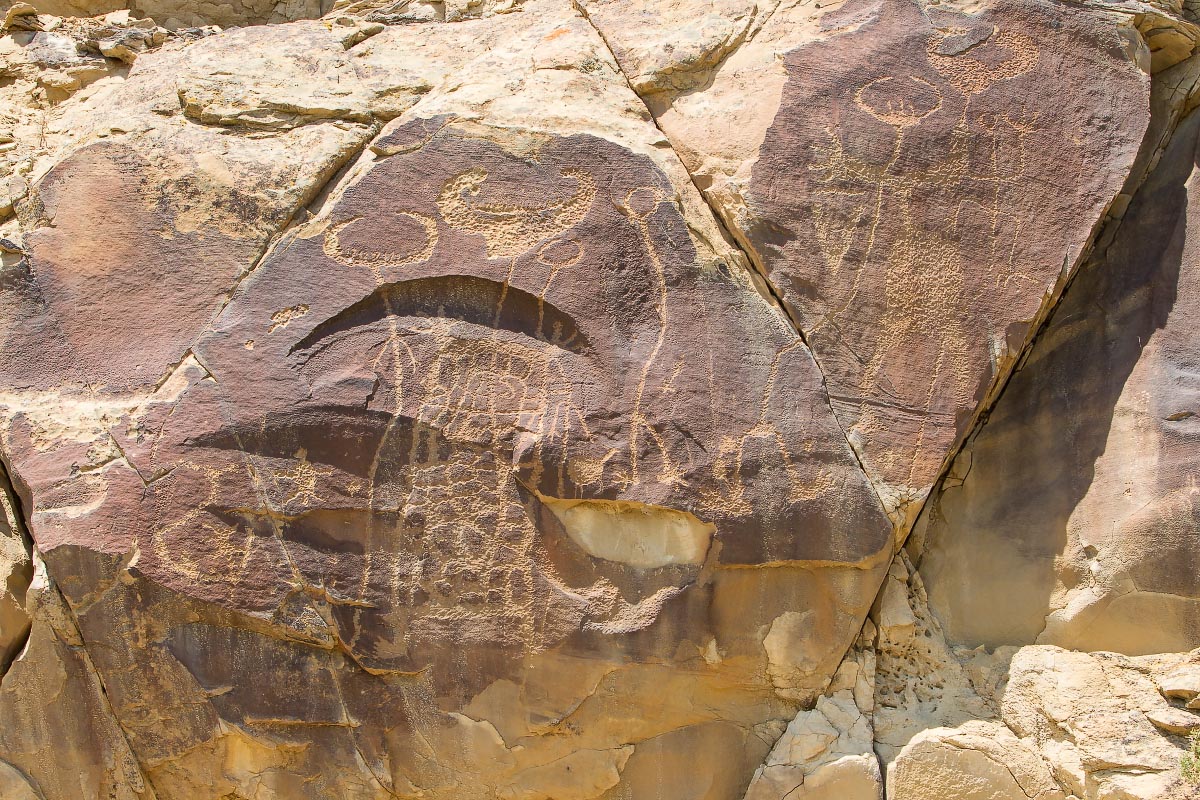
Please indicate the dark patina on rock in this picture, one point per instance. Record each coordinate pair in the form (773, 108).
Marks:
(930, 175)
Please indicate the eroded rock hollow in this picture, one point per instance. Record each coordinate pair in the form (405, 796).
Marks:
(599, 400)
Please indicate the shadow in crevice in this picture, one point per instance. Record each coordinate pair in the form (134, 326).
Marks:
(465, 298)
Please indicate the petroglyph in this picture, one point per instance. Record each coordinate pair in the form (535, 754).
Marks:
(504, 474)
(281, 318)
(469, 377)
(356, 257)
(511, 229)
(899, 102)
(974, 59)
(925, 292)
(913, 198)
(447, 488)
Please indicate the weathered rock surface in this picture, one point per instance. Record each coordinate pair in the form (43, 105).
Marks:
(1030, 722)
(494, 450)
(1074, 510)
(977, 760)
(60, 738)
(16, 572)
(181, 13)
(826, 752)
(417, 401)
(897, 170)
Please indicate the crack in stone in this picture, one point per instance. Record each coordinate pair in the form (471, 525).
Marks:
(299, 215)
(12, 511)
(35, 555)
(1095, 249)
(773, 296)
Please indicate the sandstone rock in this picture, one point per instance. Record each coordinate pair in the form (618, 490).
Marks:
(976, 761)
(472, 425)
(826, 752)
(674, 45)
(1075, 513)
(16, 572)
(183, 13)
(891, 166)
(15, 785)
(59, 738)
(848, 778)
(1171, 39)
(275, 77)
(404, 12)
(1019, 722)
(919, 683)
(1172, 720)
(17, 16)
(1183, 682)
(1022, 722)
(385, 412)
(1091, 715)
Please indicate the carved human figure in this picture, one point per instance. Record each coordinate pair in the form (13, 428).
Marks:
(496, 421)
(904, 203)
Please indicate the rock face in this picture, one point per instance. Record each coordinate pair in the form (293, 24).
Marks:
(1089, 528)
(892, 182)
(530, 401)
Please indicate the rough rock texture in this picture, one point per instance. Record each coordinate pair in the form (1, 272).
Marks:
(491, 448)
(898, 173)
(182, 13)
(1075, 508)
(531, 400)
(1036, 721)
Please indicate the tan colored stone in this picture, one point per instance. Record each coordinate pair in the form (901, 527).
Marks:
(826, 752)
(15, 12)
(919, 683)
(404, 423)
(1173, 720)
(272, 78)
(14, 785)
(848, 778)
(1183, 682)
(645, 537)
(1092, 716)
(677, 45)
(187, 13)
(976, 761)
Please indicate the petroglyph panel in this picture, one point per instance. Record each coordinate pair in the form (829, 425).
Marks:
(480, 332)
(491, 414)
(927, 179)
(1089, 528)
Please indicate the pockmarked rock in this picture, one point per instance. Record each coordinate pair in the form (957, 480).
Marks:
(897, 170)
(1013, 722)
(460, 457)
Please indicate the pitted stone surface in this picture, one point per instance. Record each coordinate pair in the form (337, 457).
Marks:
(418, 402)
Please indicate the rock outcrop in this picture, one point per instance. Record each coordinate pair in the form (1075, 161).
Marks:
(605, 400)
(1083, 502)
(887, 166)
